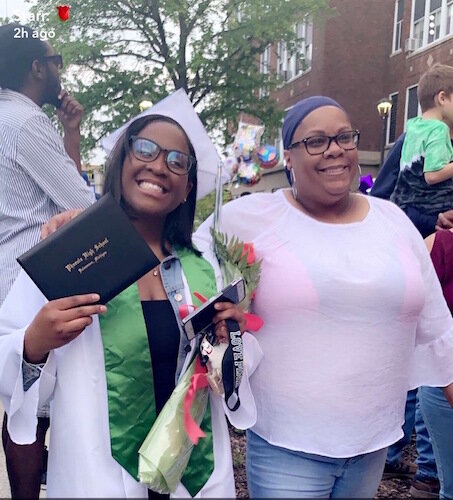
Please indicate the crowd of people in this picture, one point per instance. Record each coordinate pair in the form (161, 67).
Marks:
(356, 305)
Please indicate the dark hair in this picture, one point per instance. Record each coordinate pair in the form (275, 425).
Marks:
(439, 77)
(18, 54)
(179, 223)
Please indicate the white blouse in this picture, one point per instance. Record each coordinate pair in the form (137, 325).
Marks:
(353, 317)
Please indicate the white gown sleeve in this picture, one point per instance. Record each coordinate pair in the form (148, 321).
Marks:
(19, 308)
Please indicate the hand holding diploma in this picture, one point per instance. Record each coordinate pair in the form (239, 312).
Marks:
(58, 323)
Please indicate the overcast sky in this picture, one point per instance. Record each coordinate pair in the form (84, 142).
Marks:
(11, 7)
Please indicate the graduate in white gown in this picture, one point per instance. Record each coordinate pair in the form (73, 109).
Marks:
(93, 363)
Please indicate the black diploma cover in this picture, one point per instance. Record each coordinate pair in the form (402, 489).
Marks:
(99, 251)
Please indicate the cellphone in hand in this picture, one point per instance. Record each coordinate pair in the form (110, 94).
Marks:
(200, 320)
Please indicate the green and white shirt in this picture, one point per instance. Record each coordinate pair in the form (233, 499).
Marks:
(426, 148)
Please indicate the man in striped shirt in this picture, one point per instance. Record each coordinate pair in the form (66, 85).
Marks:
(39, 177)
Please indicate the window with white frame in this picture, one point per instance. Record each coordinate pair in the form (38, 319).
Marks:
(412, 106)
(304, 32)
(290, 65)
(281, 58)
(265, 60)
(449, 29)
(419, 22)
(293, 63)
(435, 9)
(392, 119)
(398, 25)
(431, 20)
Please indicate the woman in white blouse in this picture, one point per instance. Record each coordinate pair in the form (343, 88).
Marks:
(353, 314)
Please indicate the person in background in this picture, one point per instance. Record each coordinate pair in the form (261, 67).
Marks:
(425, 181)
(424, 191)
(385, 182)
(436, 410)
(425, 481)
(39, 177)
(345, 335)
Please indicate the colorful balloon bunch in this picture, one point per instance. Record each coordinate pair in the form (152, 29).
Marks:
(245, 157)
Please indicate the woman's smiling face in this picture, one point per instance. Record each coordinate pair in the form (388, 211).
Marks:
(327, 177)
(148, 187)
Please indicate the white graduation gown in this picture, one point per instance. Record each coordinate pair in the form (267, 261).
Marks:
(73, 378)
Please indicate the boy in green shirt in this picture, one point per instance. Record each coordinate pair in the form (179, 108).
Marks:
(426, 168)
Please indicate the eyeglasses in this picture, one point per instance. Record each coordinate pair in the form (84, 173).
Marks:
(147, 150)
(57, 59)
(319, 144)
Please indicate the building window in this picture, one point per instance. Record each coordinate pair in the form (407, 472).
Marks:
(431, 20)
(419, 22)
(449, 29)
(290, 65)
(265, 60)
(392, 119)
(293, 63)
(281, 59)
(304, 32)
(412, 107)
(398, 26)
(434, 20)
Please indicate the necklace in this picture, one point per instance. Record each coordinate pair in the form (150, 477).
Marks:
(156, 271)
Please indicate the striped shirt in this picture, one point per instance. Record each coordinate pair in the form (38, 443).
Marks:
(37, 180)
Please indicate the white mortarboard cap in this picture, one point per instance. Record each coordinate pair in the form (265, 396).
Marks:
(178, 107)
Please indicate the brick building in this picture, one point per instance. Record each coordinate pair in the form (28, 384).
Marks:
(362, 51)
(426, 28)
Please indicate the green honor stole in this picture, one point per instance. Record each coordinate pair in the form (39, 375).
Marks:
(129, 374)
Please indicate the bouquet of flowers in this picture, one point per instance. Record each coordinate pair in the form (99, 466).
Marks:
(237, 259)
(166, 450)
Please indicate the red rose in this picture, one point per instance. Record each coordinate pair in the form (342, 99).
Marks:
(63, 12)
(250, 251)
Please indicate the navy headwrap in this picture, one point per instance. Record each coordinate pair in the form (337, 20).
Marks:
(297, 113)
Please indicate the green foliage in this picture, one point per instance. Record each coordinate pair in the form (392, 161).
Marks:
(233, 260)
(205, 206)
(124, 51)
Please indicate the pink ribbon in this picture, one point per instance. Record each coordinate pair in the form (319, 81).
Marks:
(197, 381)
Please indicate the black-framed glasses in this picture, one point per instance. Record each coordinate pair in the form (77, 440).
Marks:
(146, 150)
(57, 59)
(318, 144)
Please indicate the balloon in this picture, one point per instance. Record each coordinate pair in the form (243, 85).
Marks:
(231, 165)
(247, 138)
(246, 151)
(267, 156)
(249, 173)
